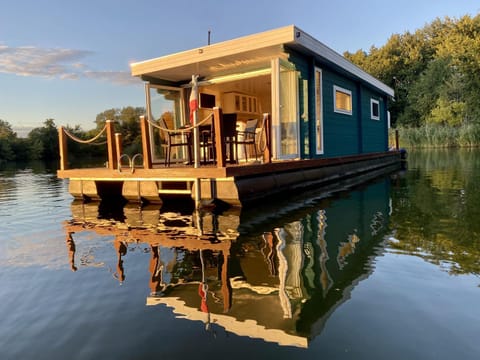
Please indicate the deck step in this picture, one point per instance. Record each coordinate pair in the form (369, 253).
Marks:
(175, 187)
(174, 191)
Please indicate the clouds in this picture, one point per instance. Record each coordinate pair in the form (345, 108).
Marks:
(64, 64)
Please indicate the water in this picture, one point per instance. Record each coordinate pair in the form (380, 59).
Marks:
(389, 269)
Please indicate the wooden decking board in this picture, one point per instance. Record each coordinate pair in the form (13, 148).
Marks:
(184, 173)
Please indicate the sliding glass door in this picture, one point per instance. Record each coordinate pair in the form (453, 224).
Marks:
(285, 111)
(164, 107)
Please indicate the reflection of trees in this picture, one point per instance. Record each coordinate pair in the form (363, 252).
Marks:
(435, 210)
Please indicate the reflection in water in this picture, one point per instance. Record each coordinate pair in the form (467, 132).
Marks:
(278, 282)
(71, 251)
(121, 249)
(436, 210)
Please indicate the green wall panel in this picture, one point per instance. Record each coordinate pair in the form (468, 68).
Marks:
(342, 134)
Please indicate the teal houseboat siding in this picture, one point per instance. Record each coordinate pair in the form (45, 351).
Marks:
(374, 130)
(364, 130)
(341, 131)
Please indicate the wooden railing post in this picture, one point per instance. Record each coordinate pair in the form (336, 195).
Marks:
(62, 145)
(220, 149)
(112, 156)
(397, 145)
(267, 128)
(147, 154)
(118, 146)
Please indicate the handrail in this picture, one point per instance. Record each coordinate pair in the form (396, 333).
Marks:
(81, 141)
(182, 129)
(131, 162)
(63, 134)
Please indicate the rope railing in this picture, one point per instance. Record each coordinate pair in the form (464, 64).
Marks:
(181, 129)
(64, 135)
(89, 141)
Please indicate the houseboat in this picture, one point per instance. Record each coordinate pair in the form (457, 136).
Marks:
(236, 121)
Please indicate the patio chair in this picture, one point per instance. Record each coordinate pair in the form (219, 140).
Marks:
(230, 136)
(247, 138)
(207, 143)
(174, 139)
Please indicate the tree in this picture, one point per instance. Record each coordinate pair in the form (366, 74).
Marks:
(101, 119)
(127, 123)
(44, 141)
(7, 138)
(434, 72)
(129, 120)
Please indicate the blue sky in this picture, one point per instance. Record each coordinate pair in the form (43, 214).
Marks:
(69, 59)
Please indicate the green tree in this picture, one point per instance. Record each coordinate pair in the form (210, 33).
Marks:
(44, 141)
(7, 139)
(110, 114)
(127, 123)
(434, 72)
(447, 112)
(130, 129)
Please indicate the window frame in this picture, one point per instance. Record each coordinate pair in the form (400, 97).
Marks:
(376, 102)
(319, 142)
(336, 109)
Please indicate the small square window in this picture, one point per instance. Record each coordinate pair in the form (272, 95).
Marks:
(374, 109)
(342, 100)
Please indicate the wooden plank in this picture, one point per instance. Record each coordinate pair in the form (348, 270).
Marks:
(147, 155)
(112, 156)
(267, 128)
(220, 151)
(175, 191)
(62, 143)
(190, 173)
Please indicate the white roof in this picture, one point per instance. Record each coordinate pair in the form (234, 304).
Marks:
(246, 53)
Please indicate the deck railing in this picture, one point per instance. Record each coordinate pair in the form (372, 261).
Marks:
(113, 144)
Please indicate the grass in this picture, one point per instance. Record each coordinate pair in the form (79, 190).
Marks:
(437, 136)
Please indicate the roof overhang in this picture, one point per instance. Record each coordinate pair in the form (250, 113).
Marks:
(248, 53)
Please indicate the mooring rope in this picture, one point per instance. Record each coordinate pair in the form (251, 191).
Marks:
(81, 141)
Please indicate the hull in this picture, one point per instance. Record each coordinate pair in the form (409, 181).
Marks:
(234, 186)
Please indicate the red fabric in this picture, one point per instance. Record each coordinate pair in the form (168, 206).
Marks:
(193, 103)
(203, 295)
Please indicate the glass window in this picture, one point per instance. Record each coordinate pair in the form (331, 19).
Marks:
(318, 111)
(374, 109)
(342, 100)
(288, 113)
(164, 103)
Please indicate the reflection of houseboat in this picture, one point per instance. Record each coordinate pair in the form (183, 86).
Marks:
(279, 283)
(313, 117)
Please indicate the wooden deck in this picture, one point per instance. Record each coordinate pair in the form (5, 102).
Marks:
(236, 185)
(181, 172)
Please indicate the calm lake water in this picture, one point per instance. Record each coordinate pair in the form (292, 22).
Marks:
(389, 269)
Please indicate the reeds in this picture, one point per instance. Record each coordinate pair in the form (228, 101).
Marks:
(437, 136)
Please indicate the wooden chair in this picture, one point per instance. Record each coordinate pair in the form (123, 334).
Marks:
(174, 139)
(207, 143)
(247, 137)
(230, 136)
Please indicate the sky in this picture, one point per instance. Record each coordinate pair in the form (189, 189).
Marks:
(69, 60)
